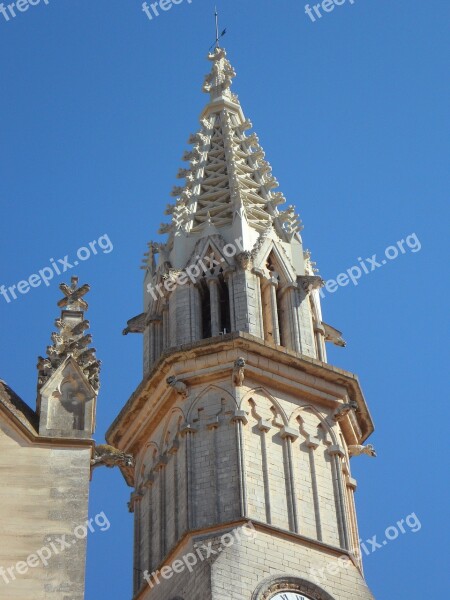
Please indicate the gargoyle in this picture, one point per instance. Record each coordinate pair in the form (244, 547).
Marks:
(343, 409)
(358, 450)
(239, 372)
(110, 457)
(179, 386)
(135, 325)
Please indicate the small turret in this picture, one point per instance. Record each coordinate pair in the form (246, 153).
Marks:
(68, 379)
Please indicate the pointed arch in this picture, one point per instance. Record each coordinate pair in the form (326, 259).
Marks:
(145, 461)
(266, 394)
(277, 277)
(322, 420)
(171, 428)
(222, 392)
(212, 244)
(270, 247)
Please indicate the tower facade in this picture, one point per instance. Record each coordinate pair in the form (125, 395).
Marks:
(241, 431)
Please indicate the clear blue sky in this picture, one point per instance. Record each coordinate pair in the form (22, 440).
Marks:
(96, 106)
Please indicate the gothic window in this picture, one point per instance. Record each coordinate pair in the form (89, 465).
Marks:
(214, 305)
(273, 306)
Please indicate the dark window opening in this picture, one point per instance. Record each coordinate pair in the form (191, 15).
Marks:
(224, 305)
(205, 300)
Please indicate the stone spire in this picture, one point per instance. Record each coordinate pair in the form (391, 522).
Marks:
(228, 215)
(71, 339)
(228, 181)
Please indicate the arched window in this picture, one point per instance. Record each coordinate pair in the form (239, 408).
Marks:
(214, 304)
(273, 306)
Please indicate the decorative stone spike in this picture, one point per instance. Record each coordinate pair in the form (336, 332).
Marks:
(165, 228)
(258, 154)
(182, 173)
(310, 266)
(191, 155)
(245, 126)
(253, 140)
(176, 191)
(197, 138)
(278, 198)
(270, 182)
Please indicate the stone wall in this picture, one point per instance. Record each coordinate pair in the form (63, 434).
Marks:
(43, 496)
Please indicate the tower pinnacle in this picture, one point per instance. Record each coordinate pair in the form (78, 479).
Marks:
(68, 380)
(71, 339)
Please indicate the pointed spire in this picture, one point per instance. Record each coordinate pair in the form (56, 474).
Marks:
(71, 339)
(227, 178)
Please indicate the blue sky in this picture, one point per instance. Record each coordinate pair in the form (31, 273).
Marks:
(97, 104)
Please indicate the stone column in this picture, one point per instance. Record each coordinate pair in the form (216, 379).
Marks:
(165, 328)
(148, 534)
(313, 443)
(214, 302)
(187, 432)
(289, 436)
(265, 426)
(293, 326)
(228, 274)
(319, 333)
(273, 284)
(240, 418)
(134, 507)
(336, 453)
(160, 468)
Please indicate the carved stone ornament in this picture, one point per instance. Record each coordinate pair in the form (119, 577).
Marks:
(135, 325)
(179, 386)
(244, 259)
(358, 450)
(108, 456)
(342, 410)
(71, 340)
(239, 372)
(310, 282)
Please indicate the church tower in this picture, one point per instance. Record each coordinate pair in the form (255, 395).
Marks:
(242, 433)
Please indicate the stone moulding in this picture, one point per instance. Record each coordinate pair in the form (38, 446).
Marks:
(282, 583)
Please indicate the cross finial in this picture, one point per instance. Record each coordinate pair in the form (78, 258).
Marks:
(216, 15)
(218, 35)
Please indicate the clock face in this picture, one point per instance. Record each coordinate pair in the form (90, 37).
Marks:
(289, 596)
